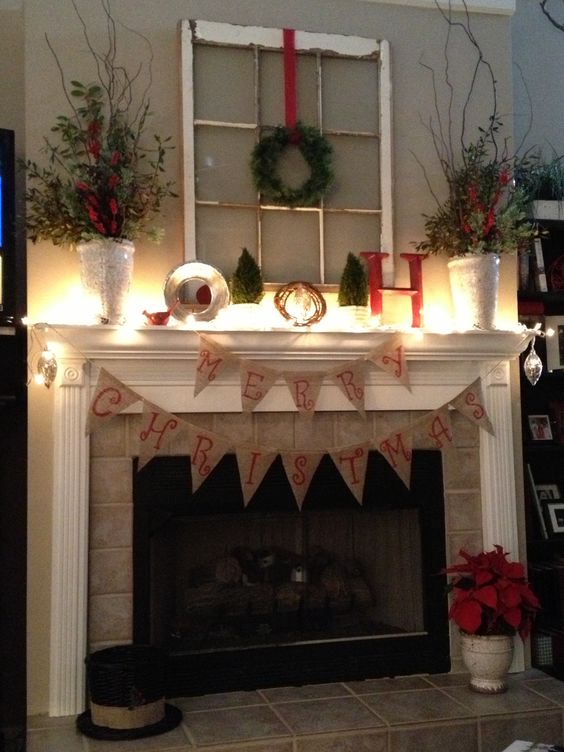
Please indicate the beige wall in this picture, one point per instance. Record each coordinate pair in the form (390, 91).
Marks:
(415, 34)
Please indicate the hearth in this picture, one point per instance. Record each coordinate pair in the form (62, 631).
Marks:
(269, 595)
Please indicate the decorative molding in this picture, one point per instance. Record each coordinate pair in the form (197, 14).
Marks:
(501, 7)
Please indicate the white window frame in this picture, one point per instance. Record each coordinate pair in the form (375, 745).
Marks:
(271, 39)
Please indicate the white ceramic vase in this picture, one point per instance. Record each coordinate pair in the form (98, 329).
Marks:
(474, 285)
(106, 268)
(487, 658)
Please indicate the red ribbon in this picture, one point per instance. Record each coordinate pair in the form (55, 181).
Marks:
(290, 98)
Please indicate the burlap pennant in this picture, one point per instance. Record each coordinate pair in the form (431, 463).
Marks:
(256, 381)
(304, 387)
(300, 468)
(390, 357)
(157, 429)
(350, 378)
(437, 427)
(397, 449)
(253, 463)
(206, 450)
(212, 360)
(470, 403)
(351, 462)
(109, 399)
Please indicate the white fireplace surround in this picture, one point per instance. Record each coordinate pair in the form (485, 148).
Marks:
(159, 364)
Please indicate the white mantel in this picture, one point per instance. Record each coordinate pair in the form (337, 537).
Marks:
(159, 364)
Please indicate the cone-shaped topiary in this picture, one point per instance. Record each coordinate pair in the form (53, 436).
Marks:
(353, 287)
(246, 282)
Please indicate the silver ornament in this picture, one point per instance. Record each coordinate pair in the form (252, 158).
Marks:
(532, 365)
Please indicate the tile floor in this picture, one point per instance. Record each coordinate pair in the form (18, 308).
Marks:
(407, 714)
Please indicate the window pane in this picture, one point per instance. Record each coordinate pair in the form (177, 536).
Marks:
(229, 74)
(348, 233)
(222, 165)
(271, 92)
(221, 235)
(344, 108)
(357, 179)
(290, 243)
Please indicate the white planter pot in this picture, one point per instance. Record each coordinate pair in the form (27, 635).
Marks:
(106, 268)
(487, 659)
(243, 316)
(354, 317)
(474, 285)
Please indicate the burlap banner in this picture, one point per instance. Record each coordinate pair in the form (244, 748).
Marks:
(397, 449)
(304, 387)
(253, 462)
(390, 357)
(438, 428)
(470, 403)
(351, 378)
(206, 450)
(300, 468)
(352, 462)
(110, 398)
(212, 360)
(157, 431)
(256, 382)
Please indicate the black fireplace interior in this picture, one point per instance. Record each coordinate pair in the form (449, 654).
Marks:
(268, 595)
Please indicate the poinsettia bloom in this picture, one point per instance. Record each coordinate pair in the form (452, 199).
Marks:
(80, 186)
(94, 148)
(115, 159)
(93, 214)
(504, 177)
(113, 227)
(113, 180)
(93, 200)
(113, 204)
(93, 127)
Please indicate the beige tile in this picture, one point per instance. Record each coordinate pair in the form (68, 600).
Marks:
(499, 733)
(547, 687)
(517, 699)
(109, 439)
(373, 741)
(110, 618)
(463, 510)
(415, 706)
(470, 541)
(455, 679)
(350, 428)
(219, 700)
(111, 571)
(171, 740)
(386, 422)
(111, 480)
(315, 432)
(275, 429)
(237, 427)
(466, 434)
(462, 472)
(62, 739)
(111, 526)
(273, 746)
(330, 715)
(234, 725)
(307, 692)
(400, 683)
(462, 737)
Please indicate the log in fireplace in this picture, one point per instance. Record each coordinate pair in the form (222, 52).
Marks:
(269, 595)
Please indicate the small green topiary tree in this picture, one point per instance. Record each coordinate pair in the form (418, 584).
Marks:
(246, 283)
(353, 287)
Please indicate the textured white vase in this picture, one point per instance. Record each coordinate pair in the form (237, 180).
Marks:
(106, 268)
(474, 285)
(487, 658)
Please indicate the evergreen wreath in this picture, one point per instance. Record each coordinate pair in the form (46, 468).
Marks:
(316, 151)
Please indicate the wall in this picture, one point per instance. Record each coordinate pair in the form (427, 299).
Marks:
(415, 35)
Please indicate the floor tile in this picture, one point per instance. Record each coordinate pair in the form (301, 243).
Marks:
(307, 692)
(518, 698)
(548, 687)
(449, 680)
(376, 741)
(462, 737)
(175, 740)
(499, 732)
(318, 716)
(370, 686)
(219, 700)
(415, 706)
(234, 724)
(61, 739)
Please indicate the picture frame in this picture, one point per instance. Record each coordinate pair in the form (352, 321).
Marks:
(539, 426)
(554, 342)
(555, 517)
(547, 492)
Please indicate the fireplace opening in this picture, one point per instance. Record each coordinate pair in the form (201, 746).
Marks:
(268, 595)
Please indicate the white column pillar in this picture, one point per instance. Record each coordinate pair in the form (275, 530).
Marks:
(497, 461)
(69, 575)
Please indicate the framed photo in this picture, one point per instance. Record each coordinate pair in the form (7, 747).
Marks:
(539, 426)
(547, 491)
(554, 342)
(555, 517)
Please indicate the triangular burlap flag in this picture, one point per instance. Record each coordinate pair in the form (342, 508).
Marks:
(256, 381)
(351, 462)
(212, 360)
(304, 387)
(253, 463)
(300, 468)
(109, 399)
(396, 448)
(156, 431)
(470, 403)
(390, 357)
(437, 427)
(206, 450)
(350, 378)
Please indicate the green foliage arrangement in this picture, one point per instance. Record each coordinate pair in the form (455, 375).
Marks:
(542, 180)
(484, 212)
(102, 178)
(316, 151)
(246, 282)
(353, 287)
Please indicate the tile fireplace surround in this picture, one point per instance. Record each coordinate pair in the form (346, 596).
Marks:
(159, 364)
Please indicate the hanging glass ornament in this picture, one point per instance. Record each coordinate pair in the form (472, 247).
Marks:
(532, 365)
(47, 366)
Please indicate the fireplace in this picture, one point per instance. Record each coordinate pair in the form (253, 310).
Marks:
(481, 497)
(269, 595)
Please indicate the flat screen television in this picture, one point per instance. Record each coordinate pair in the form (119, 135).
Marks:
(8, 272)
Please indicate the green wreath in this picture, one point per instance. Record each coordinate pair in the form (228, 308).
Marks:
(316, 151)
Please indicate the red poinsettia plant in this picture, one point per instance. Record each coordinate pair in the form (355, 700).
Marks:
(491, 595)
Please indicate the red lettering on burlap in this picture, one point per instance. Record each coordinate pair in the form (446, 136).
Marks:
(255, 456)
(257, 395)
(300, 463)
(439, 431)
(351, 459)
(301, 399)
(352, 391)
(114, 398)
(388, 358)
(207, 362)
(471, 400)
(170, 424)
(203, 449)
(391, 451)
